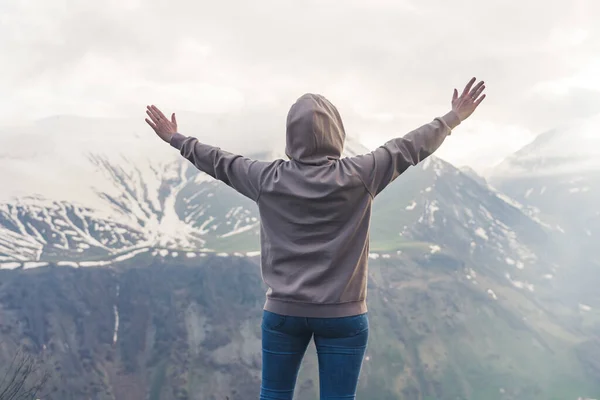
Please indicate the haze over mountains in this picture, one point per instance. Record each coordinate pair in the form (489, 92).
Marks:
(135, 276)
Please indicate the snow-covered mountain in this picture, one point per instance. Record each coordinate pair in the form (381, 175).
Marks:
(156, 199)
(107, 205)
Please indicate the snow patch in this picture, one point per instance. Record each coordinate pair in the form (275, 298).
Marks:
(253, 254)
(237, 231)
(492, 294)
(434, 248)
(430, 211)
(94, 263)
(10, 265)
(520, 265)
(203, 229)
(509, 200)
(411, 206)
(520, 285)
(373, 256)
(469, 213)
(481, 233)
(32, 264)
(129, 255)
(116, 312)
(71, 264)
(584, 307)
(486, 213)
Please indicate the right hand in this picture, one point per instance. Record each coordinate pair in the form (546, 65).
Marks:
(164, 128)
(469, 100)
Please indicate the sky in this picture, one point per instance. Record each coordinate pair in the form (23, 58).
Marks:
(389, 65)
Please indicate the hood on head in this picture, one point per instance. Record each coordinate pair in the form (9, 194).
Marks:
(315, 133)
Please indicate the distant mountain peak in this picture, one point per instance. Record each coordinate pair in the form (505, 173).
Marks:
(561, 151)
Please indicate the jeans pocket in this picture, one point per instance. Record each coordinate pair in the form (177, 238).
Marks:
(343, 327)
(359, 324)
(272, 321)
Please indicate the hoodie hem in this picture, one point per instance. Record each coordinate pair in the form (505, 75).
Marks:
(316, 310)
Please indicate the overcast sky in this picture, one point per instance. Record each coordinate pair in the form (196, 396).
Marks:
(389, 65)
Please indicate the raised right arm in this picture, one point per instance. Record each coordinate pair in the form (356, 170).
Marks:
(380, 167)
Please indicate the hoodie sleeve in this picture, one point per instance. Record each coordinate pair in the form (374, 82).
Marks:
(380, 167)
(238, 172)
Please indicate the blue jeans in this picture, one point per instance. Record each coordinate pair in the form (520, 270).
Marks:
(341, 344)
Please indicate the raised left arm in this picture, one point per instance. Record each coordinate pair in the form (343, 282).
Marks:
(240, 173)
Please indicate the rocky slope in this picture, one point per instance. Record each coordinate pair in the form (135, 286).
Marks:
(173, 326)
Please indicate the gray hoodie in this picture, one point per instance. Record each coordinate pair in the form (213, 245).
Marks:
(315, 208)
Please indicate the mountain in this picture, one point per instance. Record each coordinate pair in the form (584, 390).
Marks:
(558, 175)
(468, 289)
(138, 204)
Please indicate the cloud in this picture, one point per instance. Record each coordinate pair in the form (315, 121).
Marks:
(380, 57)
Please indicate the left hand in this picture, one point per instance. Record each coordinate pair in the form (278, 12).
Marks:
(164, 128)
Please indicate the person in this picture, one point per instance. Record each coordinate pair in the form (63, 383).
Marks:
(315, 210)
